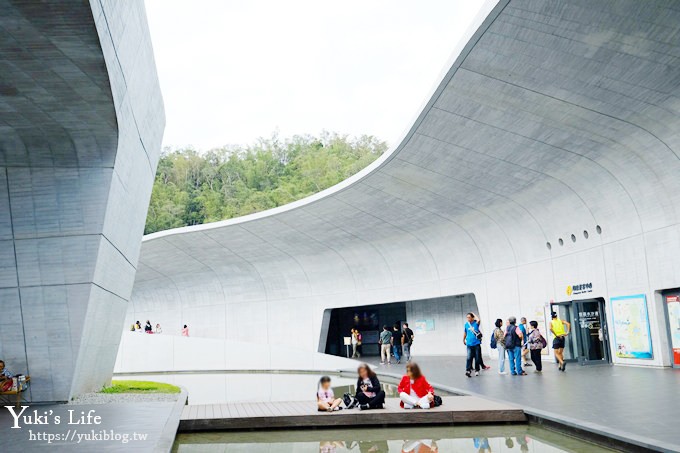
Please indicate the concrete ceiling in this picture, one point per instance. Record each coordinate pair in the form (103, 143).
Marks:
(556, 118)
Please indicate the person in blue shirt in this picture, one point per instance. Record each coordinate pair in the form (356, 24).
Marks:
(525, 349)
(472, 339)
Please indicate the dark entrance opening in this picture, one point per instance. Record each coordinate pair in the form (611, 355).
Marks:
(437, 324)
(369, 319)
(588, 342)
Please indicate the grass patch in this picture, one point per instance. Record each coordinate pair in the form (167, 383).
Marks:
(140, 387)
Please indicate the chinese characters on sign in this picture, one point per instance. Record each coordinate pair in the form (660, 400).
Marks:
(581, 288)
(589, 319)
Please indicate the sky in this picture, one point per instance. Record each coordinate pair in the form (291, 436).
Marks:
(232, 71)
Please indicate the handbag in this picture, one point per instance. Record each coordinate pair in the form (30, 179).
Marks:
(477, 333)
(437, 401)
(6, 385)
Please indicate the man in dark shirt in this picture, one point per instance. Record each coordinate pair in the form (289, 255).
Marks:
(396, 342)
(406, 341)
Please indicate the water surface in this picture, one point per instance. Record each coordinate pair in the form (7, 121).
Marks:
(506, 438)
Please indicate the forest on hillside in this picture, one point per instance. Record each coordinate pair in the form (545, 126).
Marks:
(194, 187)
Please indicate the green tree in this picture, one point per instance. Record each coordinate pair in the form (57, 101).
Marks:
(193, 188)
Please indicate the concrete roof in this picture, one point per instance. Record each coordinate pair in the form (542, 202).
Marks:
(556, 119)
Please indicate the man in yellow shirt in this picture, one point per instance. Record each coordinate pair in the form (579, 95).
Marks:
(560, 329)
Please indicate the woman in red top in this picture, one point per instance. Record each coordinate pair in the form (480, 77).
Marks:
(414, 390)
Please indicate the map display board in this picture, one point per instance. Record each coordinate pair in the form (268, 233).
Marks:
(632, 337)
(423, 325)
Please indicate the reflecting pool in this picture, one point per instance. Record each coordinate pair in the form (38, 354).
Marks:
(506, 438)
(238, 387)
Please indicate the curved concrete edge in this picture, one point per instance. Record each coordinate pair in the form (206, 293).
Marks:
(486, 15)
(597, 433)
(167, 438)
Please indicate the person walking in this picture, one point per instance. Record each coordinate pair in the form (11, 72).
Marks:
(524, 327)
(359, 342)
(472, 339)
(406, 342)
(499, 336)
(396, 342)
(536, 343)
(385, 345)
(513, 344)
(560, 329)
(185, 331)
(354, 341)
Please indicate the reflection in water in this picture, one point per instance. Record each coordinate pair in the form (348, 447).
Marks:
(481, 444)
(473, 439)
(419, 446)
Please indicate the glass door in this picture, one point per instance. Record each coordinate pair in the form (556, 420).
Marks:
(590, 332)
(564, 312)
(673, 318)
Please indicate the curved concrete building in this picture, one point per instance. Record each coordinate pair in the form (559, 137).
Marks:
(541, 175)
(81, 123)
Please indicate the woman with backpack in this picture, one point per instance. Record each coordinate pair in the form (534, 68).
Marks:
(536, 343)
(498, 340)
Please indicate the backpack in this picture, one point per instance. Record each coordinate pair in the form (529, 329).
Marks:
(494, 345)
(544, 343)
(511, 339)
(437, 401)
(409, 335)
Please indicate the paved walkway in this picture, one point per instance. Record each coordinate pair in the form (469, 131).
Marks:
(633, 403)
(145, 426)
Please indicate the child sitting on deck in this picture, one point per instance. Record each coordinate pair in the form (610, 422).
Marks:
(325, 397)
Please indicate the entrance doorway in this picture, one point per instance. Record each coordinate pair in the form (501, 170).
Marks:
(672, 311)
(588, 342)
(437, 324)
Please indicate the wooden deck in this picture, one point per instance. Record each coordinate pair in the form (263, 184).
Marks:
(456, 410)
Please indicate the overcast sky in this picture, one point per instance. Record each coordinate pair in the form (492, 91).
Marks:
(235, 70)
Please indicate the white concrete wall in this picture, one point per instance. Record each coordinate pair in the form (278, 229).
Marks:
(544, 126)
(80, 139)
(143, 352)
(449, 316)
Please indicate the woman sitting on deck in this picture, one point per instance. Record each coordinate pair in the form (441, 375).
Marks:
(414, 390)
(325, 398)
(369, 393)
(5, 377)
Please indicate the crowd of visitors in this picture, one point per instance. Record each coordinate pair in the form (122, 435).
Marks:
(518, 342)
(148, 328)
(396, 342)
